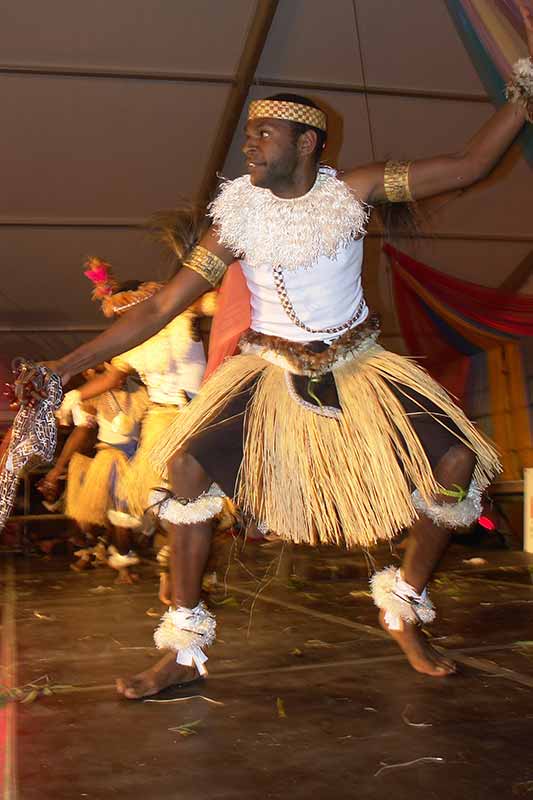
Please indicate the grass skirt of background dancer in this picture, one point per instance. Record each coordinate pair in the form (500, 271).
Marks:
(140, 475)
(92, 483)
(345, 479)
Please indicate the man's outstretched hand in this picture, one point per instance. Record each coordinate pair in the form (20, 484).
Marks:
(31, 378)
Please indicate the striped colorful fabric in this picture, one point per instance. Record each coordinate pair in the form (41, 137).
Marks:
(493, 34)
(478, 343)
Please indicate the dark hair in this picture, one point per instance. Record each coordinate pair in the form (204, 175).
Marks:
(300, 127)
(127, 286)
(402, 220)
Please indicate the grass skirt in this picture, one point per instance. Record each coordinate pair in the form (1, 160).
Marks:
(140, 476)
(344, 479)
(92, 483)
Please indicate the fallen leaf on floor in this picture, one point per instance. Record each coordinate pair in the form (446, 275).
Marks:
(476, 562)
(280, 705)
(525, 648)
(42, 687)
(360, 593)
(58, 586)
(296, 584)
(46, 617)
(317, 643)
(407, 710)
(454, 640)
(187, 729)
(228, 601)
(102, 589)
(296, 652)
(190, 697)
(152, 612)
(522, 788)
(424, 759)
(369, 708)
(31, 696)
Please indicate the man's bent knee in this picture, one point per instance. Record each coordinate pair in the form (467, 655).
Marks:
(187, 477)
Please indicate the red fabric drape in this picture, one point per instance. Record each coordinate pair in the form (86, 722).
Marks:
(232, 318)
(502, 311)
(449, 367)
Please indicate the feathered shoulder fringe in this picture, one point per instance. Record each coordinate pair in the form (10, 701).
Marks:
(270, 231)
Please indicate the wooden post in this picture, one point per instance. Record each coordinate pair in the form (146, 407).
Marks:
(251, 53)
(519, 275)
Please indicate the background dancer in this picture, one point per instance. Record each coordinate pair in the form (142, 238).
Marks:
(92, 483)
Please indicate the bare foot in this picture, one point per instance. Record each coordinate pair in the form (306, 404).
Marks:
(84, 560)
(126, 577)
(418, 651)
(162, 675)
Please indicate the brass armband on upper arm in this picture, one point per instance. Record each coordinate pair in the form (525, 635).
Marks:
(206, 264)
(396, 182)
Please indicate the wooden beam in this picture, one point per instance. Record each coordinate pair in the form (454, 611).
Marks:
(519, 276)
(359, 88)
(135, 223)
(251, 53)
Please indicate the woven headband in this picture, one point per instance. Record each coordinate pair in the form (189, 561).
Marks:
(105, 291)
(293, 112)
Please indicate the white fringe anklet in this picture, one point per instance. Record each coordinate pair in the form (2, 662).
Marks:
(400, 601)
(187, 631)
(118, 561)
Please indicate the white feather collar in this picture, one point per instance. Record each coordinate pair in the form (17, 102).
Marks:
(270, 231)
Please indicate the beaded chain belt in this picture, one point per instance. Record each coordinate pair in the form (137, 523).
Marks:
(288, 307)
(34, 433)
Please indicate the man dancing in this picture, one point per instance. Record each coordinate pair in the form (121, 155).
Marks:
(314, 428)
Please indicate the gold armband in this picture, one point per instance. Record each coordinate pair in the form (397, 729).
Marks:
(396, 182)
(206, 264)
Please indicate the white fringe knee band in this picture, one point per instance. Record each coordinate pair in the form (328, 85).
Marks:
(452, 515)
(187, 631)
(400, 601)
(180, 511)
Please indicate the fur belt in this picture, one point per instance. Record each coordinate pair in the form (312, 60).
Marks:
(312, 358)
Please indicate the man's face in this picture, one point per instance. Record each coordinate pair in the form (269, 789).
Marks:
(271, 152)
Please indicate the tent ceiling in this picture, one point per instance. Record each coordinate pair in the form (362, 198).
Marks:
(111, 109)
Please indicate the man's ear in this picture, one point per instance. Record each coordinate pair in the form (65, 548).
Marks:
(307, 142)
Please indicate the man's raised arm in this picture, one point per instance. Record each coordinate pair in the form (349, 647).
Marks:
(398, 181)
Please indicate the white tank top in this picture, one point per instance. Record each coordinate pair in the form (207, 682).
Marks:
(325, 295)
